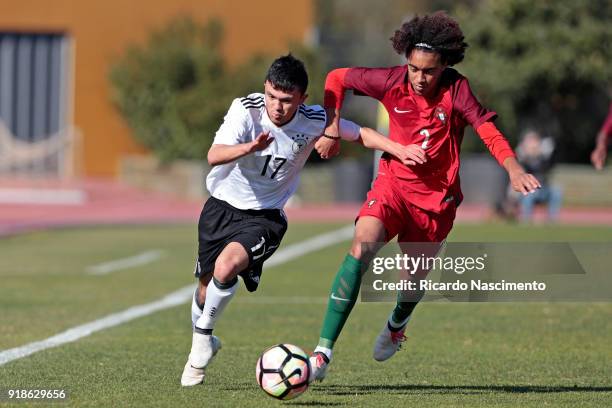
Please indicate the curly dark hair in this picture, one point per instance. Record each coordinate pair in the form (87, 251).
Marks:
(437, 32)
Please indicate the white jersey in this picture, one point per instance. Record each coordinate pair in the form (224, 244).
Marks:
(267, 178)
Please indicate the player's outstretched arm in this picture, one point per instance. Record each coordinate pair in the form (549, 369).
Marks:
(222, 154)
(410, 155)
(520, 180)
(328, 147)
(499, 147)
(598, 156)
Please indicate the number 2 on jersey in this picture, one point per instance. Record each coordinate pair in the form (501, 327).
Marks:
(279, 161)
(425, 133)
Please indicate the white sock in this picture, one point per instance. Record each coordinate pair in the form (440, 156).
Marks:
(196, 312)
(216, 300)
(400, 324)
(324, 350)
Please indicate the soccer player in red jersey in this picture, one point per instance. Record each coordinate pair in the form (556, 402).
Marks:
(429, 106)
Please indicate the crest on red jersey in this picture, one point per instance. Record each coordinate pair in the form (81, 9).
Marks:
(371, 203)
(441, 115)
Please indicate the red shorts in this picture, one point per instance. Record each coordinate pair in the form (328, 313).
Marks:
(387, 202)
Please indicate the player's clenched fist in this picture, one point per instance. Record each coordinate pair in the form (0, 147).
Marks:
(327, 147)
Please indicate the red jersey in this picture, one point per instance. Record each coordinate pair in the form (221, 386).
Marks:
(436, 124)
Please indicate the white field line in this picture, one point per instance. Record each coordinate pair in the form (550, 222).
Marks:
(310, 245)
(175, 298)
(125, 263)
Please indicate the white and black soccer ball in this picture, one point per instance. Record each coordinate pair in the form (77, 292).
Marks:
(282, 371)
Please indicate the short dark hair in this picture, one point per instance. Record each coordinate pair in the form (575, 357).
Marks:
(288, 73)
(435, 32)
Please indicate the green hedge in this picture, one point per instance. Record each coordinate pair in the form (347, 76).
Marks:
(174, 90)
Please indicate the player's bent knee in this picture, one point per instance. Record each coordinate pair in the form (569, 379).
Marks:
(369, 237)
(227, 269)
(356, 251)
(364, 251)
(232, 260)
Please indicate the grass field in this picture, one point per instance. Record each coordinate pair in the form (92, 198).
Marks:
(489, 355)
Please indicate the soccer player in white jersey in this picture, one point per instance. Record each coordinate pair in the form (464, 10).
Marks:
(256, 158)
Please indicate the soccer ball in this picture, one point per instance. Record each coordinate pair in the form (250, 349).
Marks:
(282, 371)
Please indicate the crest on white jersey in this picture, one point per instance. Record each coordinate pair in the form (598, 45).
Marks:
(299, 141)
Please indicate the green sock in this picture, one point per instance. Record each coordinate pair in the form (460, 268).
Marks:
(404, 308)
(344, 292)
(402, 312)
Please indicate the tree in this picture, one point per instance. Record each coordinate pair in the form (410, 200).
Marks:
(174, 90)
(543, 64)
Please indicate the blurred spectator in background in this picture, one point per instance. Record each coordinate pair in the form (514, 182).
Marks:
(535, 155)
(598, 156)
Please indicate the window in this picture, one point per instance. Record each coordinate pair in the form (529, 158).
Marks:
(33, 89)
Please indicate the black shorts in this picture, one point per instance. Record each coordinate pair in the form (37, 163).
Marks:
(259, 231)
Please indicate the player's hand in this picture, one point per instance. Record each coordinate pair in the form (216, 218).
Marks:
(524, 182)
(412, 155)
(327, 148)
(261, 142)
(598, 157)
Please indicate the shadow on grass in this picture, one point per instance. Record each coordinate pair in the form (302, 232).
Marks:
(300, 403)
(450, 389)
